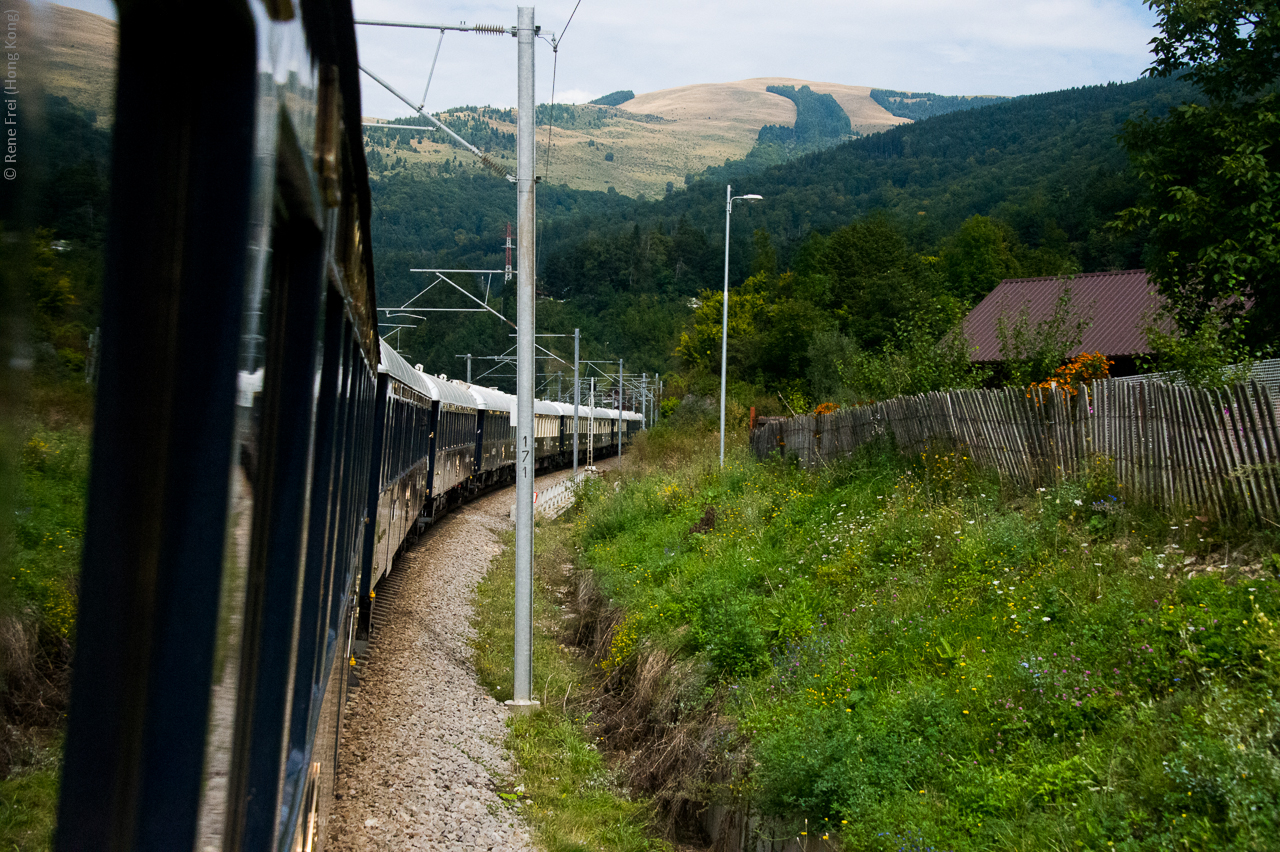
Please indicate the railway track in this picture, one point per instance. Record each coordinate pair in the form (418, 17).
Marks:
(422, 750)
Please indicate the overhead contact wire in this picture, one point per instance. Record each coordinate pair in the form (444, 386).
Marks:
(488, 162)
(551, 121)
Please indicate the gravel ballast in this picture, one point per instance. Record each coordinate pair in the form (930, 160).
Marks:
(421, 753)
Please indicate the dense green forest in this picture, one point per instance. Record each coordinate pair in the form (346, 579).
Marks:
(875, 243)
(821, 123)
(921, 105)
(615, 98)
(1055, 154)
(69, 219)
(819, 120)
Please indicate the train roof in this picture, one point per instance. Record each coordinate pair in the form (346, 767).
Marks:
(447, 391)
(429, 386)
(542, 406)
(489, 399)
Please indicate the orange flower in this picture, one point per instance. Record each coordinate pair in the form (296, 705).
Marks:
(1084, 368)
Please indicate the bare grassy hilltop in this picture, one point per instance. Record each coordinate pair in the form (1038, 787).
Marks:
(636, 148)
(80, 59)
(658, 137)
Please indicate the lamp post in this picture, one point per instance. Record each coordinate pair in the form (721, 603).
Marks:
(724, 335)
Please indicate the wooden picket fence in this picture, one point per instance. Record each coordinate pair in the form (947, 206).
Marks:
(1213, 451)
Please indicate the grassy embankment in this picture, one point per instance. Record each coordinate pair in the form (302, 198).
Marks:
(909, 656)
(563, 787)
(40, 558)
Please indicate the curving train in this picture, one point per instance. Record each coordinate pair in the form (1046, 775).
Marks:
(259, 454)
(442, 442)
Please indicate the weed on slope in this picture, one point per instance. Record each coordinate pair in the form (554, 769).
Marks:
(908, 653)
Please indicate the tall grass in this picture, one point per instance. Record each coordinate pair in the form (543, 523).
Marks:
(43, 556)
(39, 566)
(916, 655)
(563, 787)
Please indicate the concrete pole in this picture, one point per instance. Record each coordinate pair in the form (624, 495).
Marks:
(724, 334)
(575, 402)
(619, 408)
(525, 444)
(657, 396)
(644, 400)
(591, 425)
(468, 368)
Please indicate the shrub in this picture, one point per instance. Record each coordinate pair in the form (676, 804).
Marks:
(1031, 353)
(1213, 355)
(916, 361)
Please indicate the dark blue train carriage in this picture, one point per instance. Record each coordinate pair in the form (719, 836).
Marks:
(232, 438)
(495, 436)
(259, 455)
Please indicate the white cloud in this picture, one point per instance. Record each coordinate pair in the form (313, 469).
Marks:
(577, 96)
(945, 46)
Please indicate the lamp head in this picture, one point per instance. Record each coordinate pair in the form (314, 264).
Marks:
(752, 198)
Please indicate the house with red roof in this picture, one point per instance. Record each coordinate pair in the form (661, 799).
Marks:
(1115, 306)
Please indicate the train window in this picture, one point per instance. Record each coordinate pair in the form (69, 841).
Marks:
(419, 428)
(267, 529)
(387, 414)
(323, 525)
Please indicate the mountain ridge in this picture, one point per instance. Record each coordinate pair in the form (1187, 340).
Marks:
(642, 146)
(649, 144)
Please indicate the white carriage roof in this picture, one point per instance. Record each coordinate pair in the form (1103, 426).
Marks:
(447, 391)
(490, 399)
(392, 364)
(429, 386)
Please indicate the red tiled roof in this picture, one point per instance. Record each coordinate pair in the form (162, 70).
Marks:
(1117, 304)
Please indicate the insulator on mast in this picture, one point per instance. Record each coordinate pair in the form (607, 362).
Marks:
(507, 272)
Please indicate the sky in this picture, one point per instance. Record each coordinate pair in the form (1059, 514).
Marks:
(951, 47)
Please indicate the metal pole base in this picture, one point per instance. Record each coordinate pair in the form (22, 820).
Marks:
(524, 708)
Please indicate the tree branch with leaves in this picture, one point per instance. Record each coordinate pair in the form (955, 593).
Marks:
(1211, 169)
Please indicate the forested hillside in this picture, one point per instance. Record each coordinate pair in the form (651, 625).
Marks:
(921, 105)
(640, 145)
(909, 226)
(1044, 156)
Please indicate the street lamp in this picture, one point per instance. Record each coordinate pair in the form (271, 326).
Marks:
(724, 335)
